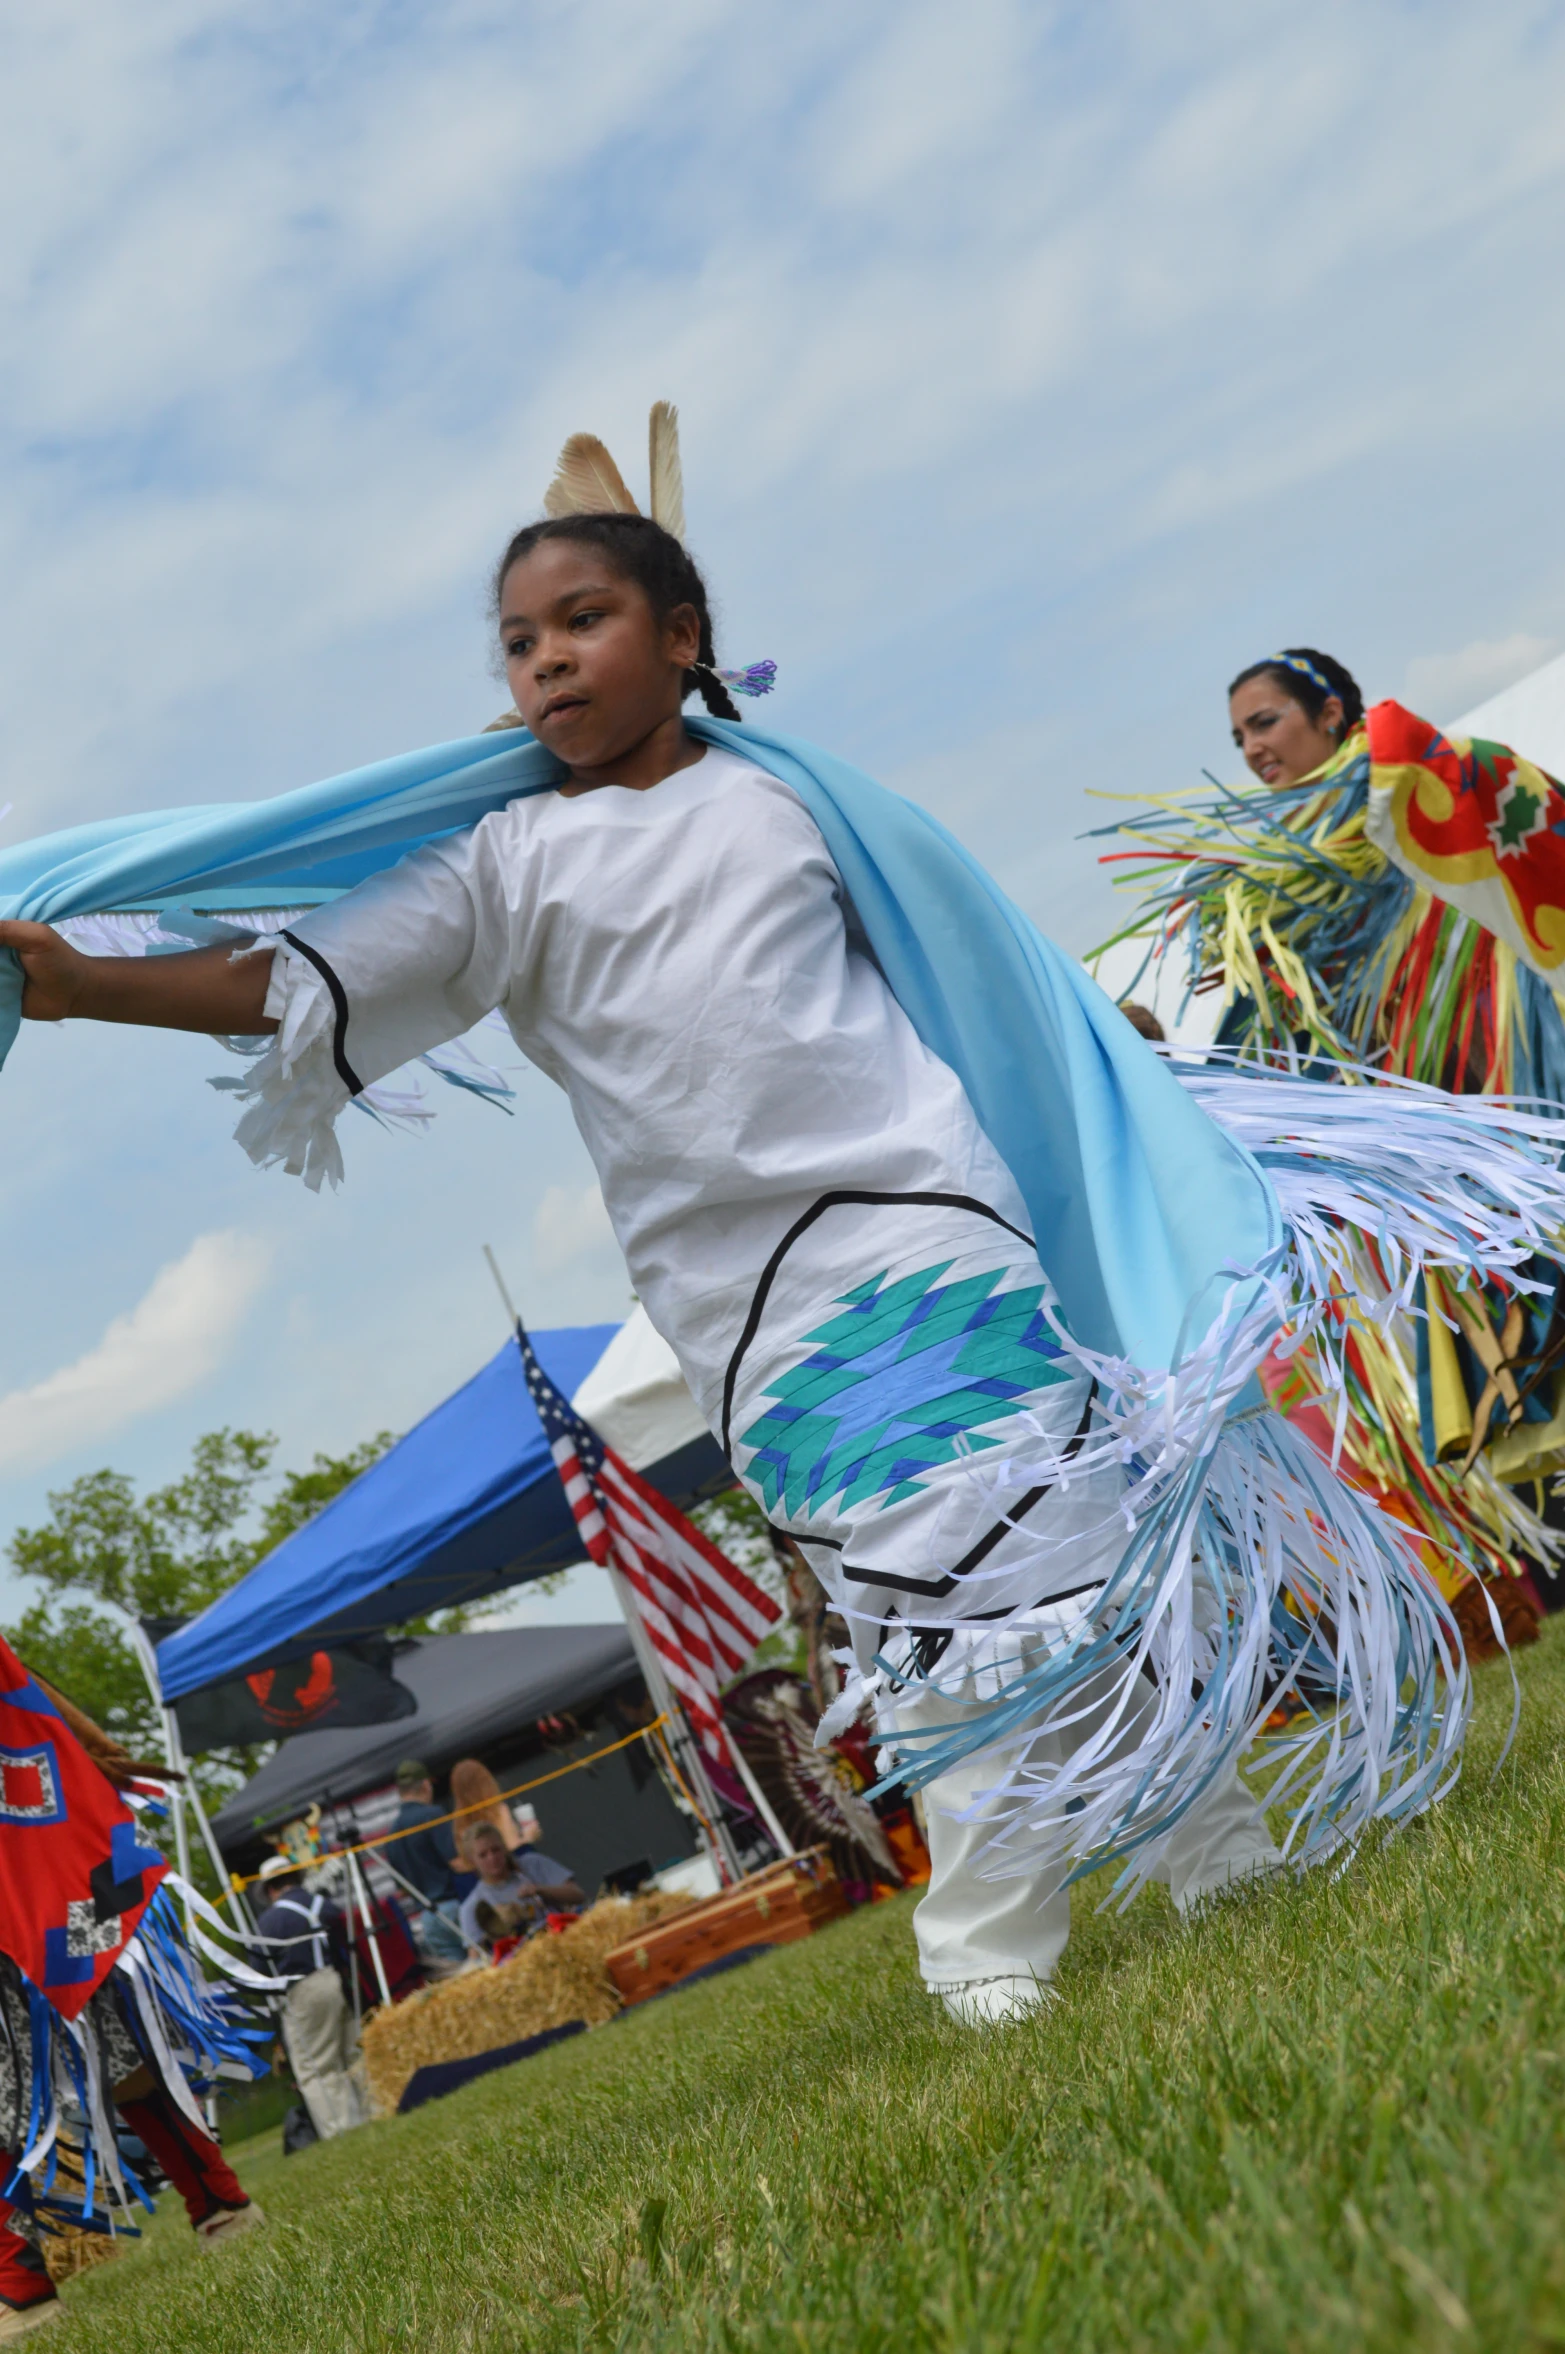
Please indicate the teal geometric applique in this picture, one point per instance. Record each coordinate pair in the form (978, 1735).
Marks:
(901, 1382)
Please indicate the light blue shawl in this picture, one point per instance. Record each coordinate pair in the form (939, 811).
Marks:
(1144, 1210)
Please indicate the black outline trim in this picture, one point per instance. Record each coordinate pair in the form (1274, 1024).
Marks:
(339, 1054)
(930, 1645)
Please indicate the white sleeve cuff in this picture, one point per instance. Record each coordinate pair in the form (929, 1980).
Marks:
(294, 1089)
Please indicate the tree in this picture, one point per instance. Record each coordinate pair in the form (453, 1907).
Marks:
(104, 1553)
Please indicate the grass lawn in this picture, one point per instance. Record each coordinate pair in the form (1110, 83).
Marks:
(1331, 2115)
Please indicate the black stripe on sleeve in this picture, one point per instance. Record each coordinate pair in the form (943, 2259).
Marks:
(339, 998)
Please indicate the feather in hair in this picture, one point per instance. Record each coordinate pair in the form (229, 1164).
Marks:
(587, 481)
(668, 481)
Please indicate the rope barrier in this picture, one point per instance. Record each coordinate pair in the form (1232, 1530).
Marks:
(243, 1880)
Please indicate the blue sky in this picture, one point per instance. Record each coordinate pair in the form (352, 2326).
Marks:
(1038, 366)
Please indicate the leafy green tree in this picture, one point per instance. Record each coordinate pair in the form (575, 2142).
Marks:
(105, 1552)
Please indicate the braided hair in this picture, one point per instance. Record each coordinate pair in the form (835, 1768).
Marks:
(640, 550)
(1310, 678)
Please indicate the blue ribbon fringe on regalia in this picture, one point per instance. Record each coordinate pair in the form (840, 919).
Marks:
(194, 2034)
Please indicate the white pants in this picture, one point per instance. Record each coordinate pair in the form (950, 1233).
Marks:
(323, 2053)
(969, 1927)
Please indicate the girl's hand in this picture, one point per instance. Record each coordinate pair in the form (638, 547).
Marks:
(211, 989)
(56, 975)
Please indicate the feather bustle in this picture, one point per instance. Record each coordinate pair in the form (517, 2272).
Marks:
(587, 481)
(667, 475)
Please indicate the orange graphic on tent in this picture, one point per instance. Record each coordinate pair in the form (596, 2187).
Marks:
(309, 1699)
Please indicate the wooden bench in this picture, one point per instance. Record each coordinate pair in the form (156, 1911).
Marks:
(789, 1900)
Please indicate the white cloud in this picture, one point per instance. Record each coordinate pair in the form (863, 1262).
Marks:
(1441, 686)
(294, 319)
(176, 1337)
(569, 1227)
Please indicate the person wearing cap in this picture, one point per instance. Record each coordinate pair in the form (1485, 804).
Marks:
(423, 1856)
(301, 1940)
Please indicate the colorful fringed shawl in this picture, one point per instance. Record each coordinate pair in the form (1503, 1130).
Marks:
(75, 1878)
(1477, 825)
(83, 1894)
(1395, 908)
(1405, 907)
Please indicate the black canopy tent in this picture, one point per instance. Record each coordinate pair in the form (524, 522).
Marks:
(485, 1693)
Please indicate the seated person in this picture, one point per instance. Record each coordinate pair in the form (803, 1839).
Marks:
(514, 1891)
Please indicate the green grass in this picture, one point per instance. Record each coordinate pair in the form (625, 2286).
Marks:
(1329, 2116)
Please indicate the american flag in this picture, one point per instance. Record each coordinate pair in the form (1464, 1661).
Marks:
(701, 1613)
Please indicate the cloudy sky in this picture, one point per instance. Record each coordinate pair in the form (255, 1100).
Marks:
(1039, 366)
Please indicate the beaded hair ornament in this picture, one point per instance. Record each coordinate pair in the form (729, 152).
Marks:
(1298, 663)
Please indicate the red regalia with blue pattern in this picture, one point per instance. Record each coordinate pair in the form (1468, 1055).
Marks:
(75, 1878)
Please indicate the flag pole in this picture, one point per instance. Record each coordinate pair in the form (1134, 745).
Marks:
(714, 1832)
(758, 1798)
(714, 1835)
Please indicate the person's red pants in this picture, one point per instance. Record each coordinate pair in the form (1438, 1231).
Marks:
(24, 2276)
(192, 2160)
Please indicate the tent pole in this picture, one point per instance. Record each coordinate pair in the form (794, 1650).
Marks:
(173, 1752)
(231, 1895)
(719, 1844)
(179, 1792)
(774, 1830)
(358, 1886)
(177, 1807)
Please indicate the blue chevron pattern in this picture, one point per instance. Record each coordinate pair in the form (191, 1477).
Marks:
(911, 1374)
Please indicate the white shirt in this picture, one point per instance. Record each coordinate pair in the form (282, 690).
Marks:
(680, 961)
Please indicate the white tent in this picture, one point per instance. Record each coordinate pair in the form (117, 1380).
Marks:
(1529, 716)
(635, 1396)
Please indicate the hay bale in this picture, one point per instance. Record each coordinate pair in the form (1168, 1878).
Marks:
(545, 1983)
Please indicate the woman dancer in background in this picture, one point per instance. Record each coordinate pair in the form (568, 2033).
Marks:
(1334, 931)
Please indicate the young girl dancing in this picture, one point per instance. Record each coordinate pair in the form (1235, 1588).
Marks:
(969, 1286)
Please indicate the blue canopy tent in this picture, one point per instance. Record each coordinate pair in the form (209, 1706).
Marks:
(467, 1504)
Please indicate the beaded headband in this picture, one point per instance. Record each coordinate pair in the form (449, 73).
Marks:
(1305, 670)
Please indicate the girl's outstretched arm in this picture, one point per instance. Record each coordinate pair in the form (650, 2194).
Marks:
(208, 989)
